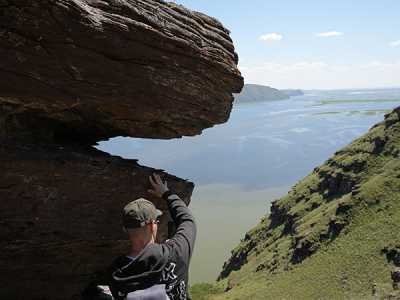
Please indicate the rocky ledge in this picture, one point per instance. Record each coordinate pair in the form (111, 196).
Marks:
(89, 70)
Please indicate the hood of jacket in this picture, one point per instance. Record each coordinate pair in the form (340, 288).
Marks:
(142, 272)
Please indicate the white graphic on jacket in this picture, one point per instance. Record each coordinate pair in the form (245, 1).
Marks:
(168, 274)
(175, 289)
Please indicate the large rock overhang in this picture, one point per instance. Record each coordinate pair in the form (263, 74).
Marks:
(88, 70)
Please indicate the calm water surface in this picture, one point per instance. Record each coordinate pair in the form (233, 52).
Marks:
(241, 166)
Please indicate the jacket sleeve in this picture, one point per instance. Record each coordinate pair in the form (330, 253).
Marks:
(185, 234)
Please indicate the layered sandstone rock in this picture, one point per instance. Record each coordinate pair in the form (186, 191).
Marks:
(60, 220)
(74, 72)
(89, 69)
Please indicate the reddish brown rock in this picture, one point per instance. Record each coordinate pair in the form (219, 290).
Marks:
(60, 218)
(74, 72)
(87, 70)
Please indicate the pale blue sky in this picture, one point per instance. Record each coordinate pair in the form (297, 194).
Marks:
(362, 48)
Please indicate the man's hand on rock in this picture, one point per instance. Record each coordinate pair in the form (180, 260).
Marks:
(159, 187)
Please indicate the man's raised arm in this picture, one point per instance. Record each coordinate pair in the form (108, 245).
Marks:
(185, 234)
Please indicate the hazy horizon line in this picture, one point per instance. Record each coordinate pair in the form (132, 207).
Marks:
(329, 89)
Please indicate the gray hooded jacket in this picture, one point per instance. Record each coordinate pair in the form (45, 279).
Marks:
(160, 271)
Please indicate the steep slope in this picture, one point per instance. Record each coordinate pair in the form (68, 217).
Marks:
(336, 235)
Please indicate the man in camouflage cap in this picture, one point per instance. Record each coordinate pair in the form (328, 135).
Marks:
(139, 213)
(152, 271)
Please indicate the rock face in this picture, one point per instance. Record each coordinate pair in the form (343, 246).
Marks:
(89, 70)
(60, 220)
(74, 72)
(396, 278)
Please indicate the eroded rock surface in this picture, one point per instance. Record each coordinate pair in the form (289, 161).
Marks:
(74, 72)
(60, 214)
(89, 70)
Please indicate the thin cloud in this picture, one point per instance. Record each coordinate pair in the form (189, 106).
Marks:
(329, 34)
(395, 44)
(271, 37)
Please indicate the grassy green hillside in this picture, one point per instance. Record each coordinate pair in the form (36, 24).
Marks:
(336, 235)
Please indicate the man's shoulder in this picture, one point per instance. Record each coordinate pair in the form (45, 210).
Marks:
(153, 258)
(156, 251)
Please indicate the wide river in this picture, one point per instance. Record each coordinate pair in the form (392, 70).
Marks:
(241, 166)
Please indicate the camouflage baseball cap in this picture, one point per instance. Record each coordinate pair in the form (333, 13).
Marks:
(139, 212)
